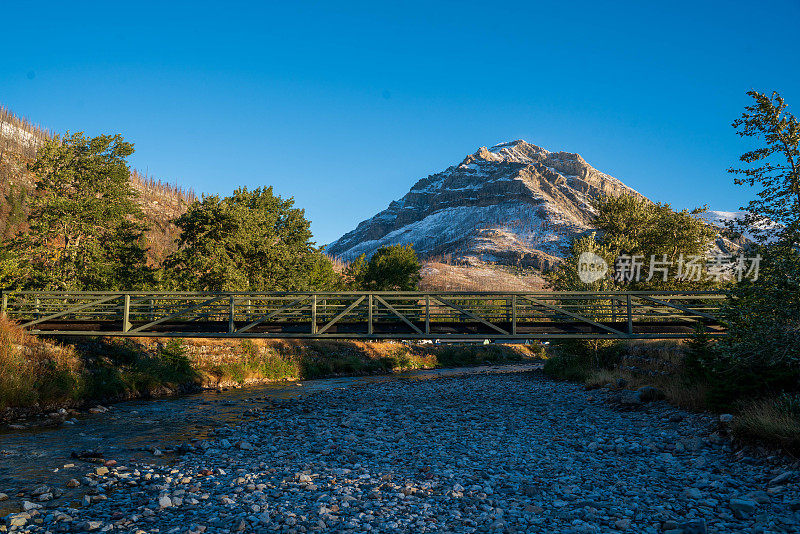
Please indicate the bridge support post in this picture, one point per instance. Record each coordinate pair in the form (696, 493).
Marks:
(126, 313)
(630, 315)
(231, 324)
(370, 329)
(313, 314)
(514, 315)
(427, 314)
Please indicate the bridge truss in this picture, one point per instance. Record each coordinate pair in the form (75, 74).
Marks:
(368, 315)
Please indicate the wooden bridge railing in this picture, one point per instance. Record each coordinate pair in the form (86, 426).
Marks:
(370, 315)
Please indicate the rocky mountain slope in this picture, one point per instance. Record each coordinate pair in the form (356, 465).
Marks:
(161, 202)
(514, 203)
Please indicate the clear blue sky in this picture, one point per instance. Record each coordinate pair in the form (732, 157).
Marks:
(344, 106)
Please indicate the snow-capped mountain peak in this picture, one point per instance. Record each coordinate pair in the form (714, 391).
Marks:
(513, 203)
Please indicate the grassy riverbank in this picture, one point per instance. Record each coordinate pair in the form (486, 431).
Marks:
(772, 419)
(38, 374)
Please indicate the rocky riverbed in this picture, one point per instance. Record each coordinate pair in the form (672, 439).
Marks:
(508, 452)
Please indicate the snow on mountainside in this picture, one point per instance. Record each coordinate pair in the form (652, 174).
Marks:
(514, 203)
(721, 219)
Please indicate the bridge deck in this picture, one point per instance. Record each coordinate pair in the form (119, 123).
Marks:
(368, 315)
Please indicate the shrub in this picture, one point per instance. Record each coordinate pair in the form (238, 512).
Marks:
(698, 353)
(173, 354)
(570, 366)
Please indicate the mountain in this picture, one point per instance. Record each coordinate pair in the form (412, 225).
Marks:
(513, 204)
(19, 139)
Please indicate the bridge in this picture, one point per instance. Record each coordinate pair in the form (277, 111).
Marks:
(442, 316)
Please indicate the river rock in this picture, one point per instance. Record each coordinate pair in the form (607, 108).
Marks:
(493, 452)
(783, 477)
(28, 506)
(743, 505)
(17, 520)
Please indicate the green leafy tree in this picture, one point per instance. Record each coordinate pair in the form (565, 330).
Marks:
(567, 276)
(355, 272)
(773, 167)
(762, 350)
(250, 241)
(391, 268)
(321, 275)
(629, 225)
(86, 230)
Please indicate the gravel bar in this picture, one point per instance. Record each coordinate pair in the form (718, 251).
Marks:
(502, 452)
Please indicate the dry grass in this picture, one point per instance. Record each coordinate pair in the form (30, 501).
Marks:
(684, 393)
(441, 276)
(768, 420)
(603, 377)
(35, 371)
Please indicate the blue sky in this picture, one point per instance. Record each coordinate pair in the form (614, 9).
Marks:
(345, 105)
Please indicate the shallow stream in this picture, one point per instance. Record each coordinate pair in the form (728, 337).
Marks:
(125, 433)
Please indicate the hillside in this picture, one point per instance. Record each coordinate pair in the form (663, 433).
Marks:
(19, 138)
(513, 204)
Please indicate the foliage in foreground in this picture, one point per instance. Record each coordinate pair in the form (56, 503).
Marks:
(39, 372)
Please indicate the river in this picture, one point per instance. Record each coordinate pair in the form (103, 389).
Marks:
(42, 455)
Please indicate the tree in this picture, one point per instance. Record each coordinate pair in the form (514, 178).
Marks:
(86, 231)
(632, 226)
(776, 211)
(391, 268)
(762, 350)
(356, 271)
(250, 241)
